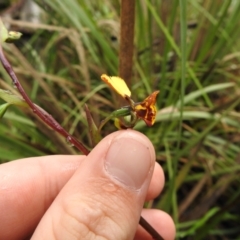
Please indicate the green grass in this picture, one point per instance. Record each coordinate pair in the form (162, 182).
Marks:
(189, 50)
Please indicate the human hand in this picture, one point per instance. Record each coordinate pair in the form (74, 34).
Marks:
(99, 196)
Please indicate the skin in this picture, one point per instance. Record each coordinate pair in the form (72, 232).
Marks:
(78, 197)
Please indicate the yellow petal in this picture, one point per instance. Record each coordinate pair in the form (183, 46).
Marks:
(118, 124)
(117, 84)
(146, 110)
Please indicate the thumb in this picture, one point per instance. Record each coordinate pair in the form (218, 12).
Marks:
(105, 196)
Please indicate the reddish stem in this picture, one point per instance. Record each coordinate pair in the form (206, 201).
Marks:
(46, 117)
(150, 229)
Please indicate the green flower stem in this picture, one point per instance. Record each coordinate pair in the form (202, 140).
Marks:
(122, 112)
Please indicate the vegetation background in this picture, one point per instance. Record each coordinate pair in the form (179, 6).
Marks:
(188, 49)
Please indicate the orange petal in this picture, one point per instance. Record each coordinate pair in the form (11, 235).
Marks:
(117, 84)
(146, 110)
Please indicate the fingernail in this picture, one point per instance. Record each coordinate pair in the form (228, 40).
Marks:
(128, 161)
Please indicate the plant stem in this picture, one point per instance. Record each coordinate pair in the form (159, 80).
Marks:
(126, 40)
(150, 229)
(42, 114)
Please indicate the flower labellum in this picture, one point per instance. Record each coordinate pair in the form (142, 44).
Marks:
(146, 110)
